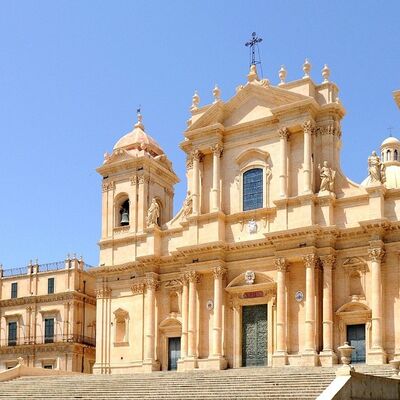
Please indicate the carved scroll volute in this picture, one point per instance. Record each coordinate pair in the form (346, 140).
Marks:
(196, 155)
(281, 264)
(376, 254)
(310, 260)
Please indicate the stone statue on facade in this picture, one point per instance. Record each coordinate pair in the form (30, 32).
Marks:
(188, 205)
(376, 169)
(327, 176)
(153, 213)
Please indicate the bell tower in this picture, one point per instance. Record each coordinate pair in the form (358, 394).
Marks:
(137, 196)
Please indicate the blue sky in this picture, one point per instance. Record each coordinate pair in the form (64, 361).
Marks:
(72, 74)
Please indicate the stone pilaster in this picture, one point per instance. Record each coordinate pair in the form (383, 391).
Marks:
(184, 337)
(217, 152)
(191, 361)
(327, 356)
(283, 135)
(376, 355)
(196, 157)
(309, 355)
(149, 362)
(308, 128)
(280, 355)
(217, 360)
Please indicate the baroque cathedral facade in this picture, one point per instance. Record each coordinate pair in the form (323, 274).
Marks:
(275, 258)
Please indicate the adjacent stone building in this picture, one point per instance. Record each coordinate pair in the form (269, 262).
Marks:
(48, 316)
(275, 258)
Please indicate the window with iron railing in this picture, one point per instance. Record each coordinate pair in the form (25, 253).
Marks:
(49, 330)
(50, 285)
(14, 290)
(12, 333)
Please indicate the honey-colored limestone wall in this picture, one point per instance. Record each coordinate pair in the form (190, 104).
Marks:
(319, 260)
(72, 306)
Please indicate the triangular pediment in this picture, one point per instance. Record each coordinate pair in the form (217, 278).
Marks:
(251, 102)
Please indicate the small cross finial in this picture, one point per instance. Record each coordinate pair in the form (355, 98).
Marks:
(390, 129)
(139, 123)
(251, 44)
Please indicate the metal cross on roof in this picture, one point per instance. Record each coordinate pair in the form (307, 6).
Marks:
(252, 44)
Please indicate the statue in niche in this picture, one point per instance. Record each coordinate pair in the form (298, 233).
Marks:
(327, 177)
(153, 213)
(376, 169)
(188, 205)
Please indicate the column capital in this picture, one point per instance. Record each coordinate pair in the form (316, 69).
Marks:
(376, 253)
(281, 264)
(137, 288)
(219, 272)
(308, 126)
(134, 180)
(283, 133)
(103, 293)
(144, 179)
(151, 284)
(217, 149)
(310, 260)
(192, 276)
(328, 262)
(196, 155)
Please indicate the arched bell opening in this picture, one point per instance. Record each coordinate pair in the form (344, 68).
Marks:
(122, 214)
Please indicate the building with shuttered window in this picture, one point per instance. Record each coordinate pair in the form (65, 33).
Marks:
(48, 316)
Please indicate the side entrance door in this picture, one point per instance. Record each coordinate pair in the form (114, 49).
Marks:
(174, 352)
(356, 338)
(254, 335)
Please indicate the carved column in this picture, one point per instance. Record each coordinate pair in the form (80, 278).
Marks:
(218, 273)
(192, 277)
(185, 297)
(149, 319)
(196, 156)
(142, 203)
(310, 261)
(307, 129)
(281, 345)
(217, 152)
(376, 255)
(328, 264)
(284, 135)
(133, 205)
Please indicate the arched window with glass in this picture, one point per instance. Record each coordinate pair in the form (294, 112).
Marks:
(253, 189)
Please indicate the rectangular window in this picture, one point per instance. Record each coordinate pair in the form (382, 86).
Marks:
(14, 290)
(253, 189)
(50, 285)
(49, 330)
(12, 333)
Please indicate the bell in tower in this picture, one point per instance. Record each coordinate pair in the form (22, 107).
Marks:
(125, 214)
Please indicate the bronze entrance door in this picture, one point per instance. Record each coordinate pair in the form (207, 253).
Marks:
(356, 338)
(254, 335)
(174, 352)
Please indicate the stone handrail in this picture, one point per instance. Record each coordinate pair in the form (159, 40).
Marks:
(22, 370)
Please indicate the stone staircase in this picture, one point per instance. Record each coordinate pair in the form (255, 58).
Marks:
(244, 383)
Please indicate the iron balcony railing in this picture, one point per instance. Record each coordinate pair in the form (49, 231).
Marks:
(86, 340)
(54, 266)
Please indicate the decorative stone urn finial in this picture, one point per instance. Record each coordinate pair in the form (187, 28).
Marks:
(326, 73)
(306, 68)
(195, 101)
(345, 356)
(282, 75)
(216, 93)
